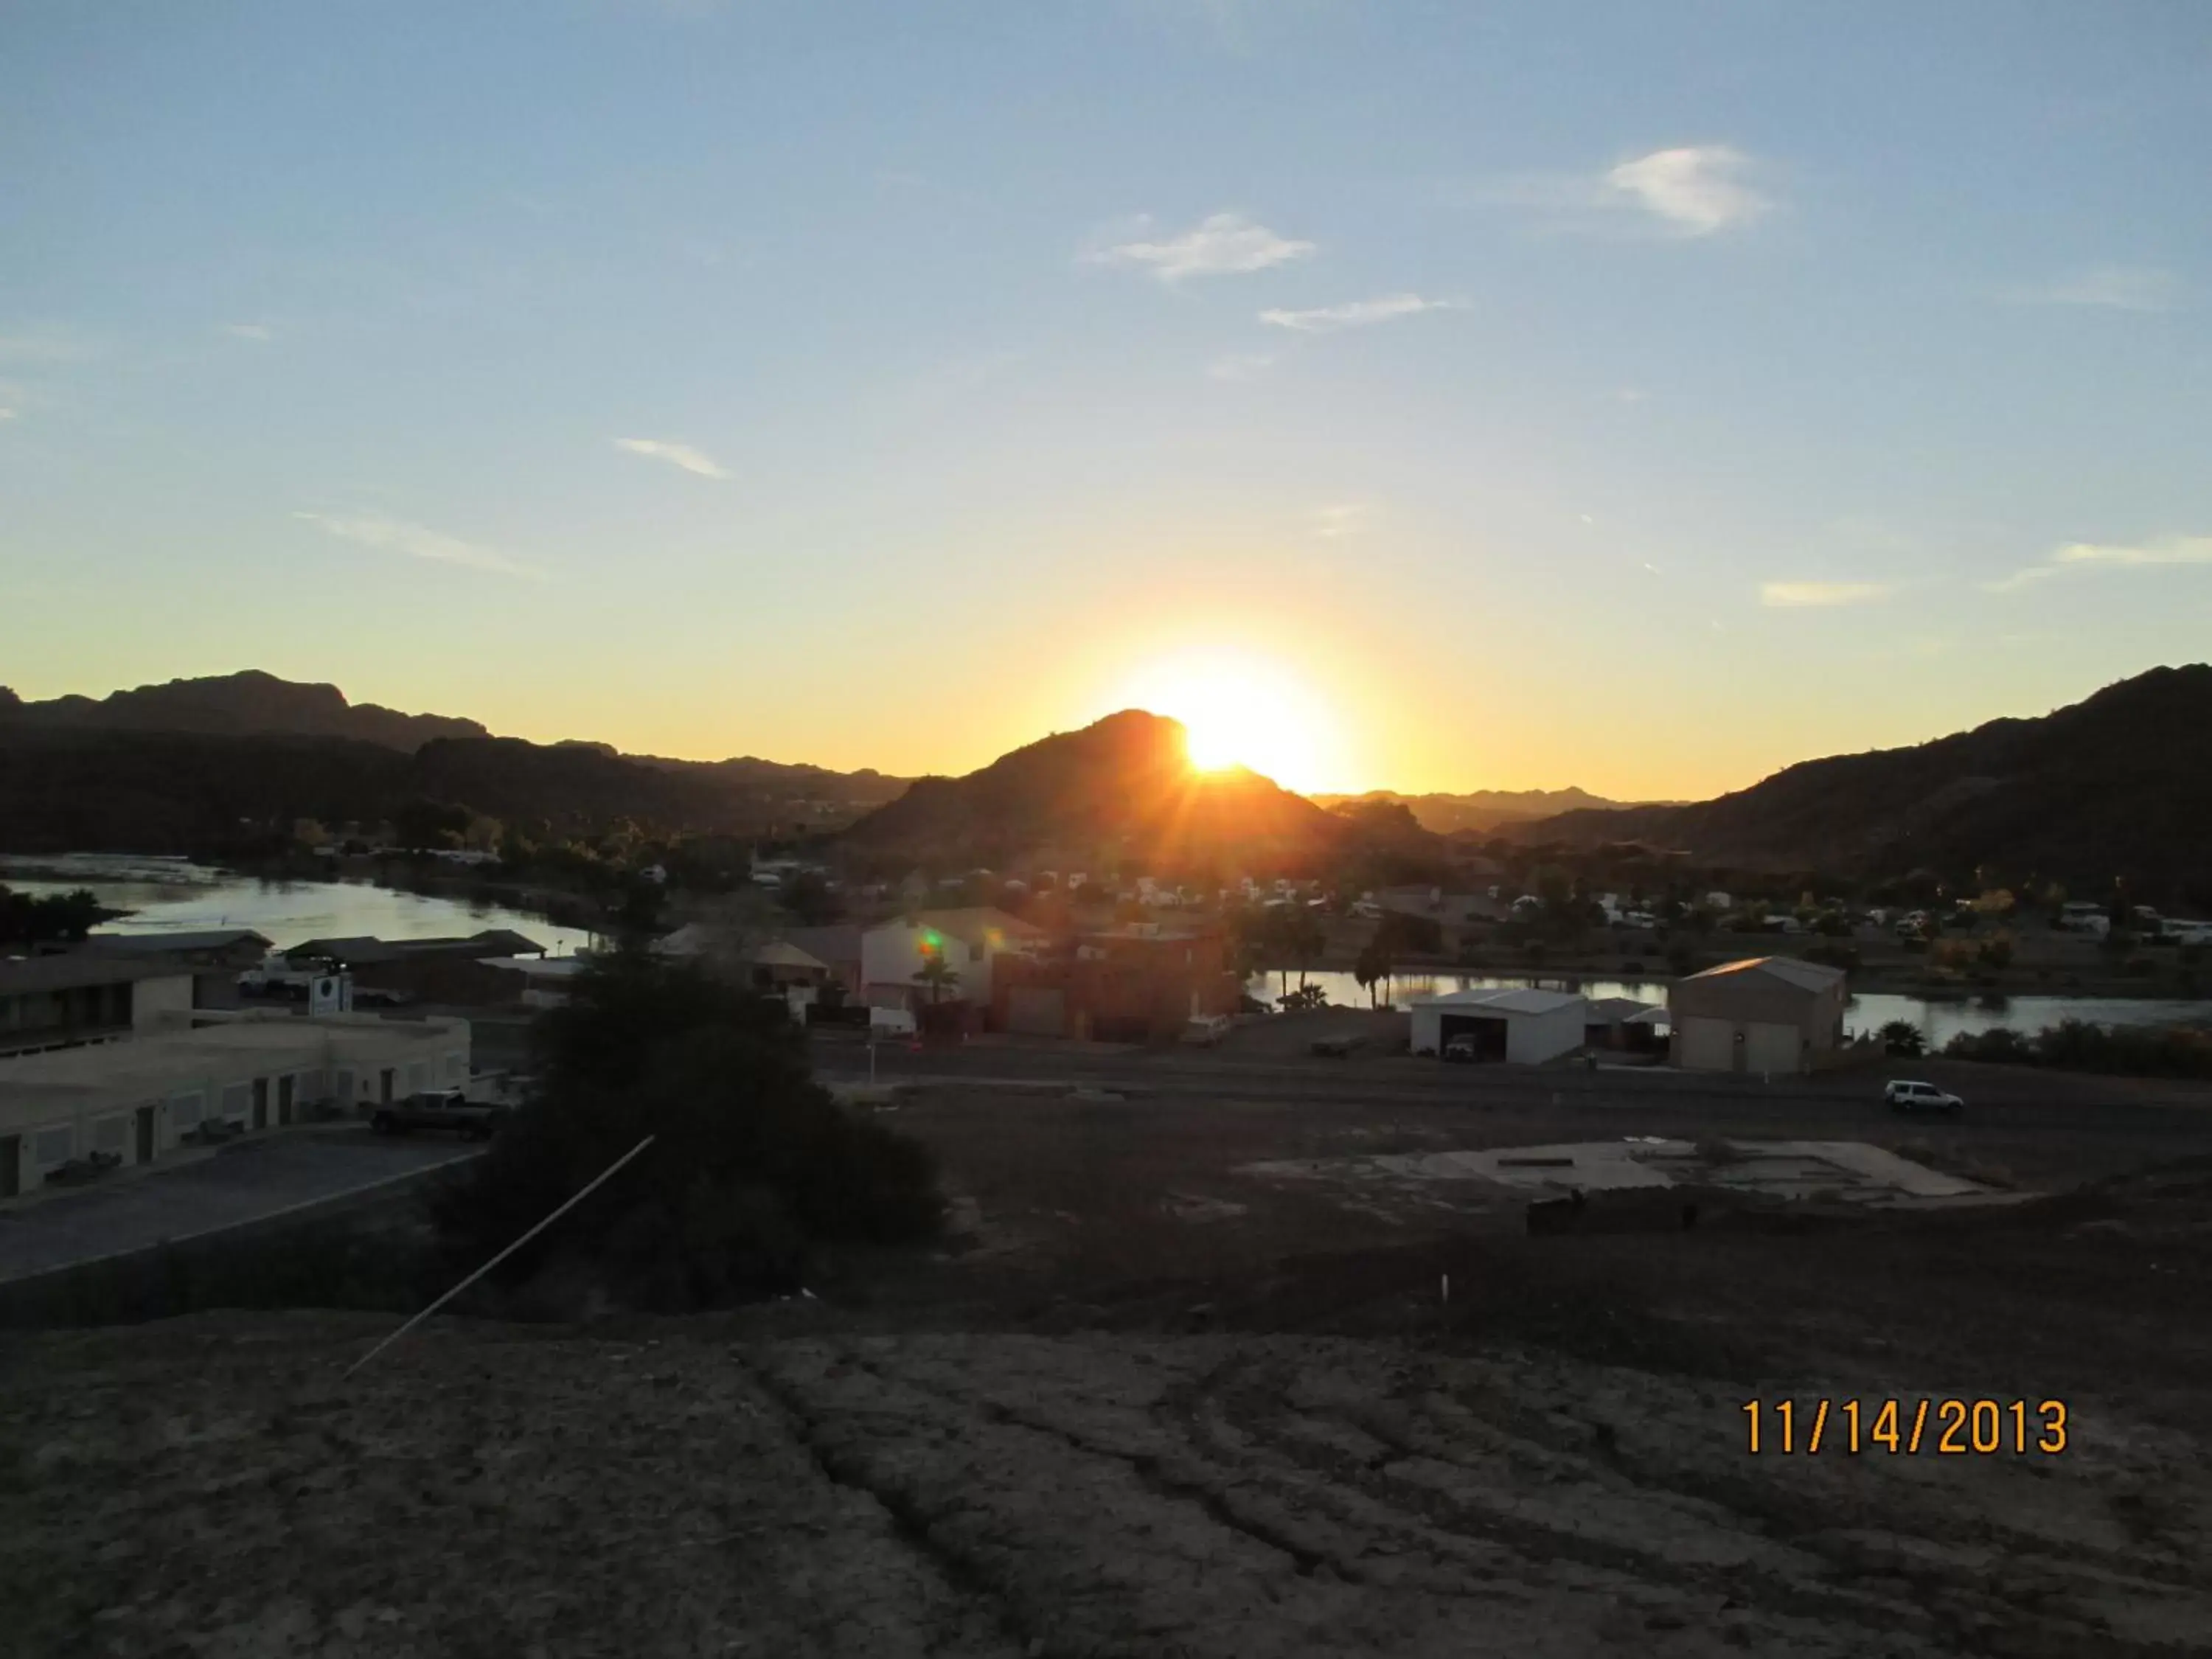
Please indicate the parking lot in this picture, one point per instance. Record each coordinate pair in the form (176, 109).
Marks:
(248, 1182)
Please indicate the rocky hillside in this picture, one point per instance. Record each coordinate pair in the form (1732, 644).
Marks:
(2118, 785)
(1122, 789)
(1484, 810)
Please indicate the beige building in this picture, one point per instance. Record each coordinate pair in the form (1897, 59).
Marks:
(137, 1100)
(61, 1001)
(1764, 1015)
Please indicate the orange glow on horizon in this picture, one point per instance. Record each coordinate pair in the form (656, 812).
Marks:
(1241, 710)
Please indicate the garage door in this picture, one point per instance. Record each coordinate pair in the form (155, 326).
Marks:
(1036, 1012)
(1705, 1045)
(1770, 1048)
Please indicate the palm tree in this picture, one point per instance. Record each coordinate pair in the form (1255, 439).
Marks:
(936, 976)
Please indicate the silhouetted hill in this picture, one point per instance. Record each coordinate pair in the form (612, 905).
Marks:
(1482, 809)
(1120, 788)
(2119, 784)
(247, 704)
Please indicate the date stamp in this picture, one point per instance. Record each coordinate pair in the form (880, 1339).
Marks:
(1905, 1427)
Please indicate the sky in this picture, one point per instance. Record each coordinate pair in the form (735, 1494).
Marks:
(1449, 396)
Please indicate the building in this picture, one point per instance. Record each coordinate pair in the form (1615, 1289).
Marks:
(79, 997)
(137, 1100)
(1143, 982)
(1625, 1022)
(1525, 1027)
(454, 972)
(895, 955)
(1434, 904)
(216, 956)
(1764, 1015)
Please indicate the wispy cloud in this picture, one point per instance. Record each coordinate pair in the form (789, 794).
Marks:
(2092, 555)
(1239, 366)
(417, 541)
(1224, 244)
(1348, 518)
(260, 332)
(1802, 596)
(674, 454)
(2114, 288)
(1356, 314)
(1694, 190)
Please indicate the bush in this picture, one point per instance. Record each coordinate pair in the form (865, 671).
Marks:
(752, 1164)
(1845, 957)
(1998, 1046)
(2076, 1045)
(1902, 1036)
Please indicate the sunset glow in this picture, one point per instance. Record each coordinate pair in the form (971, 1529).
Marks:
(1243, 711)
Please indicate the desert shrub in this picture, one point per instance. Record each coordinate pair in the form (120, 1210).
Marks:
(2000, 1047)
(753, 1164)
(2076, 1045)
(1902, 1036)
(1995, 952)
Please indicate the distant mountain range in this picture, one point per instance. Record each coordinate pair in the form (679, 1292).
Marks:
(2118, 785)
(185, 766)
(246, 704)
(1482, 810)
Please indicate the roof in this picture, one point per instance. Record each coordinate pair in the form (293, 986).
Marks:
(839, 942)
(1621, 1010)
(207, 939)
(1790, 970)
(975, 921)
(72, 968)
(360, 950)
(538, 967)
(1524, 1001)
(785, 955)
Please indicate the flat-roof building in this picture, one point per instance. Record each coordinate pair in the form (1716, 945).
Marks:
(135, 1101)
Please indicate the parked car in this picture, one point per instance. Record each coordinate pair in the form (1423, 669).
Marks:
(1462, 1051)
(1921, 1098)
(1206, 1029)
(440, 1109)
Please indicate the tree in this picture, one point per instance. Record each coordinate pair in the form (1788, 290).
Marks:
(1303, 938)
(752, 1163)
(1372, 968)
(937, 975)
(809, 899)
(1902, 1037)
(55, 918)
(1304, 999)
(422, 826)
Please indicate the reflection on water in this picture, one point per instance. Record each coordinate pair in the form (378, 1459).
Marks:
(1939, 1020)
(165, 895)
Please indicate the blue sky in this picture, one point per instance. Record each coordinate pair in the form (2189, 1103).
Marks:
(1641, 396)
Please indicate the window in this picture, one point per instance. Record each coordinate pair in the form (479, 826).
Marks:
(55, 1146)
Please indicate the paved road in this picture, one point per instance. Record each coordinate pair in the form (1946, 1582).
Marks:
(246, 1183)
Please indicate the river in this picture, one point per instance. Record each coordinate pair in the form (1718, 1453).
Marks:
(171, 895)
(1939, 1018)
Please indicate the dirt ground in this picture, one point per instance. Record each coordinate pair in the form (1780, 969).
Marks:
(1147, 1401)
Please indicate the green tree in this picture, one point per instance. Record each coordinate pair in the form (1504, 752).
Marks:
(1372, 968)
(752, 1163)
(1902, 1036)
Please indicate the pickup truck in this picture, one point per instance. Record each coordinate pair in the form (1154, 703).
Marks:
(440, 1109)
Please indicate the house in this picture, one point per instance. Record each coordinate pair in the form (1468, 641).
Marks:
(139, 1100)
(79, 997)
(1525, 1028)
(216, 956)
(895, 955)
(1764, 1014)
(836, 947)
(1141, 982)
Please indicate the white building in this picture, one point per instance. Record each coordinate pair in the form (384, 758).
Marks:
(892, 955)
(137, 1100)
(67, 999)
(1525, 1027)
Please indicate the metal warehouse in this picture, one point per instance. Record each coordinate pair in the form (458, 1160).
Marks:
(1764, 1014)
(1524, 1027)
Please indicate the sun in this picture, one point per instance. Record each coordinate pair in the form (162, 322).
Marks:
(1241, 711)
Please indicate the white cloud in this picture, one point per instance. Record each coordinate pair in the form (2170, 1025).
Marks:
(1798, 596)
(2115, 288)
(674, 454)
(1694, 190)
(260, 332)
(1356, 314)
(1701, 187)
(1225, 245)
(397, 536)
(1239, 366)
(2084, 556)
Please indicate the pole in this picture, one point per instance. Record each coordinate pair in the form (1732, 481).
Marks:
(585, 1192)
